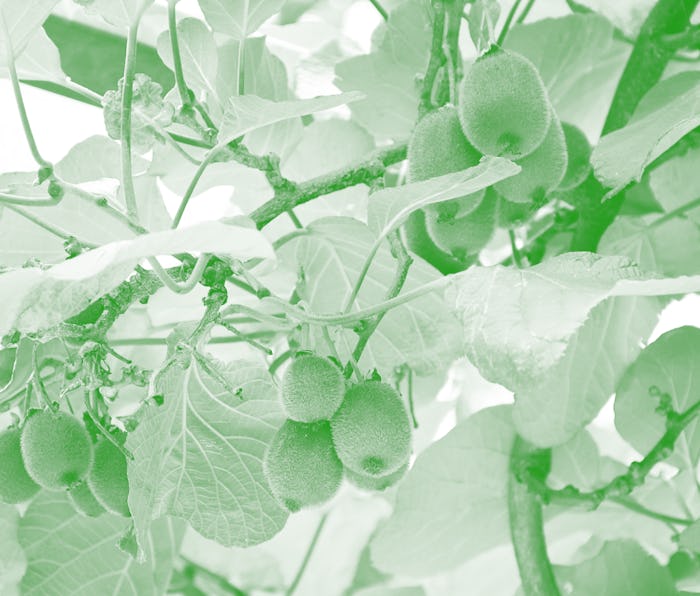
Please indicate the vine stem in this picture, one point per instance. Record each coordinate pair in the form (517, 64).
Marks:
(509, 20)
(527, 530)
(125, 132)
(183, 287)
(307, 556)
(12, 68)
(177, 58)
(526, 11)
(192, 186)
(380, 9)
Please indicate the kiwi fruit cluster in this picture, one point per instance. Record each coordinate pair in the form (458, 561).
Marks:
(54, 451)
(361, 432)
(502, 109)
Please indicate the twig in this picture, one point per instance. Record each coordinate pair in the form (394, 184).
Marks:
(307, 556)
(509, 19)
(380, 9)
(192, 186)
(632, 505)
(526, 11)
(179, 287)
(411, 405)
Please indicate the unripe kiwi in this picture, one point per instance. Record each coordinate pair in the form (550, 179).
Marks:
(16, 485)
(301, 465)
(56, 449)
(503, 105)
(371, 429)
(578, 150)
(108, 479)
(420, 243)
(375, 483)
(542, 170)
(312, 388)
(465, 235)
(83, 501)
(438, 147)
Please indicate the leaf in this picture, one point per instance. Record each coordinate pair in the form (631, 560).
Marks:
(452, 504)
(390, 207)
(329, 257)
(238, 18)
(676, 183)
(621, 567)
(387, 76)
(120, 13)
(199, 455)
(552, 409)
(198, 54)
(517, 322)
(18, 25)
(36, 299)
(246, 113)
(670, 247)
(39, 61)
(95, 158)
(669, 111)
(689, 538)
(576, 462)
(672, 364)
(580, 63)
(483, 17)
(71, 554)
(13, 562)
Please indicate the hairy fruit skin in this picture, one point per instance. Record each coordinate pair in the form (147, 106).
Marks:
(579, 151)
(16, 486)
(56, 449)
(375, 483)
(438, 147)
(312, 388)
(108, 479)
(542, 170)
(419, 242)
(84, 502)
(301, 465)
(503, 105)
(371, 429)
(465, 235)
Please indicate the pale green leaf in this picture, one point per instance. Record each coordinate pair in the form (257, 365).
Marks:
(676, 183)
(667, 246)
(19, 22)
(553, 408)
(621, 567)
(452, 504)
(388, 75)
(198, 54)
(238, 18)
(422, 333)
(13, 562)
(95, 158)
(120, 13)
(690, 538)
(390, 207)
(576, 462)
(246, 113)
(671, 364)
(580, 63)
(40, 60)
(36, 298)
(672, 111)
(68, 553)
(199, 455)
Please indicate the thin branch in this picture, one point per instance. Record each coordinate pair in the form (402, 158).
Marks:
(509, 20)
(517, 258)
(307, 556)
(380, 9)
(125, 132)
(526, 11)
(177, 58)
(192, 186)
(632, 505)
(179, 287)
(678, 211)
(12, 68)
(55, 230)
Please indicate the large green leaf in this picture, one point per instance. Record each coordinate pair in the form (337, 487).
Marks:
(39, 298)
(18, 25)
(198, 456)
(667, 113)
(671, 364)
(329, 257)
(13, 561)
(238, 18)
(676, 183)
(452, 504)
(68, 553)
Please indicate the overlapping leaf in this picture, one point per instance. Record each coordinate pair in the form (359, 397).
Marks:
(199, 455)
(18, 25)
(68, 553)
(39, 298)
(238, 18)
